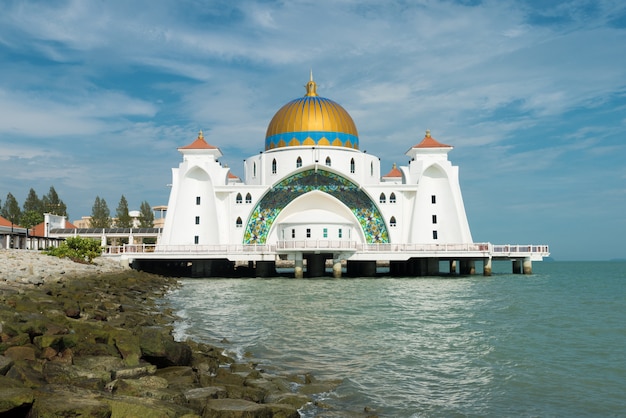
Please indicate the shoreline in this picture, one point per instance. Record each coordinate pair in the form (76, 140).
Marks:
(96, 340)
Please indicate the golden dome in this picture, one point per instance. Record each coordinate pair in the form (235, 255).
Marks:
(311, 120)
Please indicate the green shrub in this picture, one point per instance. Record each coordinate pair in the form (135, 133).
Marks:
(80, 250)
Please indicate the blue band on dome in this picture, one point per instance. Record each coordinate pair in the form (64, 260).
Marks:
(284, 139)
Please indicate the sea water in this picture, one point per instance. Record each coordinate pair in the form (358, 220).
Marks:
(548, 344)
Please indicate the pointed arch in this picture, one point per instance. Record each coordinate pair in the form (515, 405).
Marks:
(282, 193)
(238, 198)
(382, 198)
(328, 162)
(298, 162)
(248, 198)
(274, 166)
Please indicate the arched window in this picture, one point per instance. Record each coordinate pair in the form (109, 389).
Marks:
(254, 170)
(328, 161)
(392, 221)
(352, 166)
(372, 168)
(274, 166)
(238, 199)
(299, 162)
(239, 223)
(248, 198)
(392, 198)
(382, 198)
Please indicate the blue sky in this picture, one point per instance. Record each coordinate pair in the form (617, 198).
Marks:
(96, 96)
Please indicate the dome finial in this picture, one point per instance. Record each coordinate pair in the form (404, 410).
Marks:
(311, 87)
(427, 133)
(200, 135)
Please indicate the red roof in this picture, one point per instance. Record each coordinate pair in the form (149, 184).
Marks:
(6, 222)
(430, 142)
(39, 230)
(395, 172)
(199, 143)
(232, 176)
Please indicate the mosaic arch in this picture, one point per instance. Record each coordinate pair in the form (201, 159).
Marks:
(281, 194)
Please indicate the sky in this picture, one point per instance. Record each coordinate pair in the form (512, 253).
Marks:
(96, 97)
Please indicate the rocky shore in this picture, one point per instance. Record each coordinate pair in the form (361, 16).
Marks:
(96, 341)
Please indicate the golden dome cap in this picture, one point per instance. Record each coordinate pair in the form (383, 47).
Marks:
(312, 121)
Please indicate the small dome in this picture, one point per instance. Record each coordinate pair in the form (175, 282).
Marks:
(313, 121)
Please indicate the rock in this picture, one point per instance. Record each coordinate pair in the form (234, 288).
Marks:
(25, 373)
(68, 401)
(13, 400)
(296, 400)
(20, 353)
(161, 350)
(238, 408)
(143, 369)
(117, 342)
(179, 377)
(130, 406)
(5, 364)
(198, 397)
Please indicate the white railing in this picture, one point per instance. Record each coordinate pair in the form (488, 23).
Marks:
(517, 249)
(329, 245)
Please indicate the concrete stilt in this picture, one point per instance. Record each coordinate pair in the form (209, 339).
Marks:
(452, 266)
(336, 268)
(298, 270)
(528, 266)
(487, 266)
(517, 267)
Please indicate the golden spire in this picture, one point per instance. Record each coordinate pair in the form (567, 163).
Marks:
(311, 87)
(394, 166)
(200, 135)
(427, 133)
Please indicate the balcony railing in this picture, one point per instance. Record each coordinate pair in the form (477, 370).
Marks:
(331, 245)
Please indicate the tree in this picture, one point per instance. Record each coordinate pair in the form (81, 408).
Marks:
(146, 217)
(33, 210)
(11, 210)
(123, 218)
(53, 204)
(100, 214)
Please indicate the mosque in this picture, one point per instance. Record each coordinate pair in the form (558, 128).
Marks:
(313, 198)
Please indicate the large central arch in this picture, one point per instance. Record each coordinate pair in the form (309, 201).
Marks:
(281, 194)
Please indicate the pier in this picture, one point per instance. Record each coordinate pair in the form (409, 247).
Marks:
(312, 258)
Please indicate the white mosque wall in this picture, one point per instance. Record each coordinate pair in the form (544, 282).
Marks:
(272, 166)
(193, 217)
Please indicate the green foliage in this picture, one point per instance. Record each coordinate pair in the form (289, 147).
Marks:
(146, 217)
(51, 203)
(100, 214)
(80, 250)
(31, 218)
(123, 218)
(11, 209)
(32, 213)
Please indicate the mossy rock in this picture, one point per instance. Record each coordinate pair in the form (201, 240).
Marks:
(15, 398)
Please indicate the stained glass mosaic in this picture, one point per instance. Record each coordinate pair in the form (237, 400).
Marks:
(284, 192)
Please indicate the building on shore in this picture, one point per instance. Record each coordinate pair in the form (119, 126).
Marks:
(314, 198)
